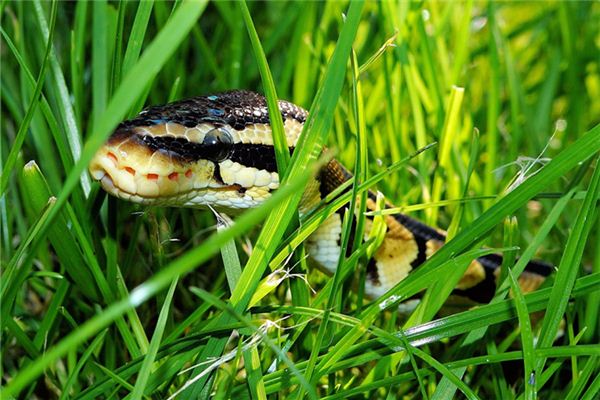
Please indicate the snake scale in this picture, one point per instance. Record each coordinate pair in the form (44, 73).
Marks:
(217, 151)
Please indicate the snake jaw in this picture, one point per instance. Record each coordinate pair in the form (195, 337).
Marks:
(154, 179)
(158, 179)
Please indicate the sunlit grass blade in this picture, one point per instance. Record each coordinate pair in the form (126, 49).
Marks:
(126, 94)
(282, 153)
(136, 37)
(82, 361)
(568, 268)
(63, 99)
(509, 91)
(147, 289)
(308, 146)
(526, 338)
(9, 165)
(149, 358)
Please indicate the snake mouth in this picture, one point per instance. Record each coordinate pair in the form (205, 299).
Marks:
(155, 179)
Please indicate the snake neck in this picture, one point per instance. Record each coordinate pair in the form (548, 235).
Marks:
(407, 244)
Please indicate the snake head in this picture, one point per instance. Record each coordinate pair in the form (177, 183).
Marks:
(170, 164)
(212, 150)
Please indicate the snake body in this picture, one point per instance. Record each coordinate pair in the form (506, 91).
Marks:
(217, 151)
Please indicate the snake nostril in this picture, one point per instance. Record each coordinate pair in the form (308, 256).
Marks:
(174, 176)
(188, 173)
(130, 170)
(112, 157)
(152, 177)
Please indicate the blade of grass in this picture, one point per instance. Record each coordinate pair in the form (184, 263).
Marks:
(256, 382)
(493, 106)
(233, 270)
(9, 165)
(131, 87)
(64, 236)
(526, 338)
(593, 389)
(136, 37)
(280, 144)
(100, 68)
(231, 261)
(261, 334)
(148, 289)
(447, 389)
(585, 147)
(331, 303)
(53, 127)
(21, 337)
(64, 100)
(593, 302)
(591, 367)
(308, 147)
(570, 264)
(78, 60)
(50, 319)
(34, 184)
(448, 138)
(454, 325)
(150, 357)
(358, 202)
(98, 340)
(15, 273)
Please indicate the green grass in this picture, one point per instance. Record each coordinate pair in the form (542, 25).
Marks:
(105, 299)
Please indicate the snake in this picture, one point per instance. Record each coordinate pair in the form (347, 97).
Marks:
(217, 151)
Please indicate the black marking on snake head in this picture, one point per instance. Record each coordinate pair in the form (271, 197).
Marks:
(259, 156)
(238, 108)
(214, 149)
(216, 146)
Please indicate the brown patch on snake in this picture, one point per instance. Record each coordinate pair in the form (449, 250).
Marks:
(394, 257)
(332, 176)
(474, 275)
(237, 188)
(528, 281)
(432, 247)
(395, 231)
(392, 260)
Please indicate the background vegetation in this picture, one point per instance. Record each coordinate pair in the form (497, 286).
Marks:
(509, 91)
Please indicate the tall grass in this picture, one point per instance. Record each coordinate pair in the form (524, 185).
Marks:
(105, 299)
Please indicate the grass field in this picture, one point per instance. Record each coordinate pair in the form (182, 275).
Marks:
(104, 299)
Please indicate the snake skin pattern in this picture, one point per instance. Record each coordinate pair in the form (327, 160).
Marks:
(218, 151)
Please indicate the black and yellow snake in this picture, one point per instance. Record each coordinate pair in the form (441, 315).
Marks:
(217, 151)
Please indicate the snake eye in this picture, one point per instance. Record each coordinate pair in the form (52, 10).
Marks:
(218, 143)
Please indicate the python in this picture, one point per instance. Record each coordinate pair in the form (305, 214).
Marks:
(217, 151)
